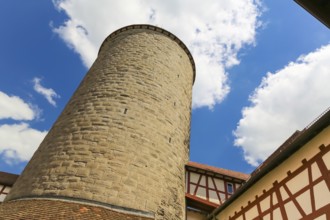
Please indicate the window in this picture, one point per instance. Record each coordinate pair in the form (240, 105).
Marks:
(230, 188)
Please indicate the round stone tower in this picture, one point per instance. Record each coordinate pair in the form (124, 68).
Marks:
(122, 141)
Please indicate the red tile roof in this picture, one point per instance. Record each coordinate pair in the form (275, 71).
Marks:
(229, 173)
(54, 209)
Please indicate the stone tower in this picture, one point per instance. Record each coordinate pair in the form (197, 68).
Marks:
(122, 141)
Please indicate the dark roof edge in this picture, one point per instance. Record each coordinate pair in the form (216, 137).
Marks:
(156, 29)
(315, 15)
(280, 155)
(200, 200)
(8, 179)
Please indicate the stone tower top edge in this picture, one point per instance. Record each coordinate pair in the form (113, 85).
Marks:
(159, 30)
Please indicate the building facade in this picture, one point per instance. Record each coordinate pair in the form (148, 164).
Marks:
(208, 187)
(293, 183)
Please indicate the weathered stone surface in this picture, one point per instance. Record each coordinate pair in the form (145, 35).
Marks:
(125, 129)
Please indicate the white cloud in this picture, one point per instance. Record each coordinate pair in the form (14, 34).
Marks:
(214, 31)
(18, 142)
(286, 101)
(48, 93)
(15, 108)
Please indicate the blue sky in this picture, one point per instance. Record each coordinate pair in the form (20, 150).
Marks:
(263, 69)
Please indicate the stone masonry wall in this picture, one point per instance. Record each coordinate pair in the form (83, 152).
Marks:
(123, 138)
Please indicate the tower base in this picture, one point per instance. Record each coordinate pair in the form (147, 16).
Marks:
(61, 210)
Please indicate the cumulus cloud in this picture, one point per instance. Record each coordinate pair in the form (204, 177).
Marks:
(48, 93)
(214, 31)
(18, 142)
(14, 107)
(286, 101)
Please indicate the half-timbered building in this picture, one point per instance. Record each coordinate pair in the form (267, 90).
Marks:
(7, 180)
(293, 183)
(208, 187)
